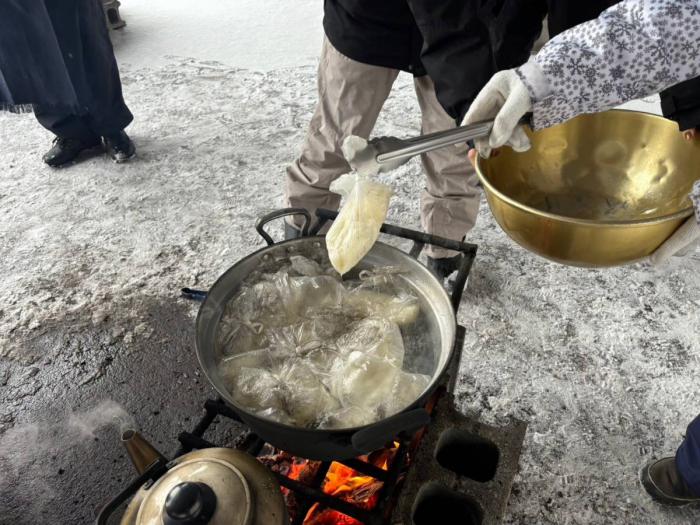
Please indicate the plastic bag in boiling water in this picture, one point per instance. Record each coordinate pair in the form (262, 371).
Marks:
(307, 396)
(402, 310)
(302, 347)
(374, 337)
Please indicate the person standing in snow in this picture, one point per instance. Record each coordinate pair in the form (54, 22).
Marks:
(57, 59)
(634, 49)
(367, 44)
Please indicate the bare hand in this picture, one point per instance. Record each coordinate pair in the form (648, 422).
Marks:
(472, 153)
(691, 134)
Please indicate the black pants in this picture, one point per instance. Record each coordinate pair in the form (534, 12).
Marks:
(83, 37)
(567, 14)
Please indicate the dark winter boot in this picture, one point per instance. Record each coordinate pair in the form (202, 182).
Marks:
(444, 267)
(120, 147)
(664, 484)
(66, 150)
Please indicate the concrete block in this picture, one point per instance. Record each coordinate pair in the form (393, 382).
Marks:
(462, 472)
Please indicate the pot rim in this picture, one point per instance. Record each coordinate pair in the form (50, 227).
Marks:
(228, 399)
(631, 223)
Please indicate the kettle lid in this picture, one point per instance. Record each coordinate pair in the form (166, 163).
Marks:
(199, 491)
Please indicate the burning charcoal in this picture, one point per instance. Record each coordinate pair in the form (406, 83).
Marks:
(378, 337)
(302, 470)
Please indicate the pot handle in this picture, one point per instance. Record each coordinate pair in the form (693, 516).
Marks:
(278, 214)
(376, 436)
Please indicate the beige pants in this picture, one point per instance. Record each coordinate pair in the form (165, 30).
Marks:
(351, 95)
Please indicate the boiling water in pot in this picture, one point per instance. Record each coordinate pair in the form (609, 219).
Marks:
(299, 345)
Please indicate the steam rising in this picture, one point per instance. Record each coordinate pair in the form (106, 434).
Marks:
(27, 451)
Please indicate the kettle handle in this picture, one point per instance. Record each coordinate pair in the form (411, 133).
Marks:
(154, 471)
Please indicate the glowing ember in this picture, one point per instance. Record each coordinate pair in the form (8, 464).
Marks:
(329, 517)
(342, 482)
(351, 486)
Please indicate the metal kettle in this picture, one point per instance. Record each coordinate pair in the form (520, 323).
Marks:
(213, 486)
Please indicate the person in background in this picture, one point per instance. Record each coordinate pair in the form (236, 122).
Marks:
(367, 44)
(634, 49)
(56, 57)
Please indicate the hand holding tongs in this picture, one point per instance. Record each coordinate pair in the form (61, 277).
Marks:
(387, 153)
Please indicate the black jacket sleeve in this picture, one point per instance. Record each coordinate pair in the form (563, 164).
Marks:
(682, 104)
(564, 15)
(466, 42)
(514, 27)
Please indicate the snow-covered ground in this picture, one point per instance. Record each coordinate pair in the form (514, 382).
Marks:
(253, 34)
(603, 365)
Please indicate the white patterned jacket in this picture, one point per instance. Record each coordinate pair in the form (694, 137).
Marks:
(634, 49)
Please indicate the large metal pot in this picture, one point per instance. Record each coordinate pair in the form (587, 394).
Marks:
(600, 190)
(344, 443)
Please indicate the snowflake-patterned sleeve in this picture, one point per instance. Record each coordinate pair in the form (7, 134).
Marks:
(634, 49)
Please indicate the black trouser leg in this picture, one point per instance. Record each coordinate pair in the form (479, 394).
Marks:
(109, 113)
(65, 126)
(688, 457)
(87, 51)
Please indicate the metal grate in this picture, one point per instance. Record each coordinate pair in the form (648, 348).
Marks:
(311, 494)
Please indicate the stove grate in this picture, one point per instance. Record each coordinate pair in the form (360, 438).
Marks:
(311, 494)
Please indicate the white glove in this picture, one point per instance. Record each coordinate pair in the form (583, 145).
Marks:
(680, 243)
(506, 99)
(362, 154)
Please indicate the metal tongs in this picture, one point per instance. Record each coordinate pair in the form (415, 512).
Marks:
(387, 153)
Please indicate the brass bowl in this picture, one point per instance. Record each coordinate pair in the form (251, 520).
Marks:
(600, 190)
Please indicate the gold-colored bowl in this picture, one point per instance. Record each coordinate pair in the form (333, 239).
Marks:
(600, 190)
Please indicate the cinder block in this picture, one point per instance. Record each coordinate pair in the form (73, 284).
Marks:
(463, 471)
